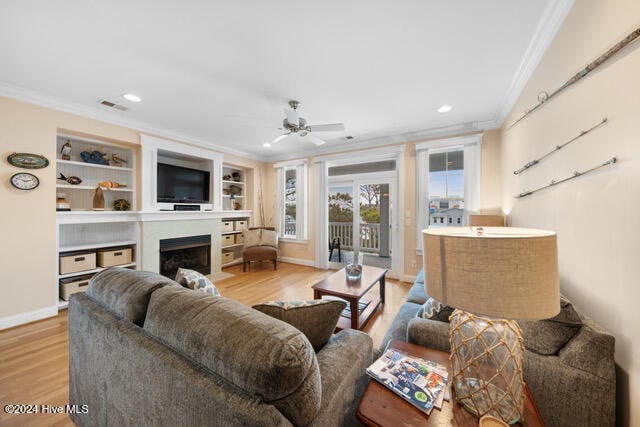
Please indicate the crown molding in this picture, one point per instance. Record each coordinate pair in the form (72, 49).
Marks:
(44, 100)
(551, 21)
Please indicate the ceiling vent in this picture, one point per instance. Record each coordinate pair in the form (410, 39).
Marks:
(112, 105)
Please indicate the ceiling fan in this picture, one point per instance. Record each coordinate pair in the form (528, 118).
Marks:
(296, 125)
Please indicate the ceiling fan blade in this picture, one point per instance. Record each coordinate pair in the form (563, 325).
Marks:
(280, 138)
(314, 139)
(292, 116)
(327, 128)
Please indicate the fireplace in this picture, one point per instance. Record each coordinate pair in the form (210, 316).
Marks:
(192, 252)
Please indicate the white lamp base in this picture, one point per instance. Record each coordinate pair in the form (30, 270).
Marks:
(486, 357)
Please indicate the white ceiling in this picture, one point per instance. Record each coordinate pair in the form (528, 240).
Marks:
(221, 73)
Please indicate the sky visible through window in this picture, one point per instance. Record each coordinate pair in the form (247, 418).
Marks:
(440, 188)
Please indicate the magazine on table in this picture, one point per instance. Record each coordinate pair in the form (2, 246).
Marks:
(420, 382)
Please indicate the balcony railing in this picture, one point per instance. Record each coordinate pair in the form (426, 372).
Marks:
(369, 236)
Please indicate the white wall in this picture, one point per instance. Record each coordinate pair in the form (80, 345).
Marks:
(596, 216)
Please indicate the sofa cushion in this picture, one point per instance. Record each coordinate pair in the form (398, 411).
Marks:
(269, 238)
(433, 309)
(260, 355)
(550, 335)
(251, 238)
(126, 292)
(316, 319)
(194, 280)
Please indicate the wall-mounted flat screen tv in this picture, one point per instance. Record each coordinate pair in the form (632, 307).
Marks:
(177, 184)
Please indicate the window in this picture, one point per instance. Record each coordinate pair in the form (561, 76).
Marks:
(447, 182)
(291, 203)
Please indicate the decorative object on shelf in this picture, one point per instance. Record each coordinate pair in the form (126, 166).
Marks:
(237, 206)
(558, 147)
(353, 271)
(227, 177)
(95, 157)
(61, 202)
(502, 273)
(25, 181)
(65, 150)
(236, 176)
(28, 160)
(98, 199)
(575, 175)
(117, 160)
(544, 97)
(121, 205)
(111, 184)
(73, 180)
(235, 190)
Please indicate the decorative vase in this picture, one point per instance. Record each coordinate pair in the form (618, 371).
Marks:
(98, 200)
(486, 360)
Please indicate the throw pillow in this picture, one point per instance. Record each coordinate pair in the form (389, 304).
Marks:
(548, 336)
(196, 281)
(316, 319)
(434, 310)
(251, 238)
(269, 238)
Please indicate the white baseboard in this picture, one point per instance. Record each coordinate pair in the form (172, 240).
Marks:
(307, 262)
(30, 316)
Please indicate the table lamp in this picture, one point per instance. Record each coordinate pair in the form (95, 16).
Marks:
(491, 275)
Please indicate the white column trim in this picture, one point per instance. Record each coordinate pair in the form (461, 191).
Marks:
(321, 210)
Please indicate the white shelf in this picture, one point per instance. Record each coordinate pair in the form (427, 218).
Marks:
(92, 165)
(96, 245)
(229, 196)
(234, 262)
(95, 270)
(89, 187)
(233, 182)
(62, 304)
(233, 246)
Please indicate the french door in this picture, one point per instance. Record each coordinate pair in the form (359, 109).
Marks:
(360, 220)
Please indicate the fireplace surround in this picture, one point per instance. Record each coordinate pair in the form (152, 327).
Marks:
(192, 252)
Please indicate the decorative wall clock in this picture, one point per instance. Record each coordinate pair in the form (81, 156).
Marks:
(25, 181)
(28, 160)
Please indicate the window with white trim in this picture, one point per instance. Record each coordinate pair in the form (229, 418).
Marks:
(292, 200)
(447, 182)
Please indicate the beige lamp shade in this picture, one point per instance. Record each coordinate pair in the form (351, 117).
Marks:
(500, 272)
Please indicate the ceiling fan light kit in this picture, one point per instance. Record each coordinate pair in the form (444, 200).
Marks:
(294, 124)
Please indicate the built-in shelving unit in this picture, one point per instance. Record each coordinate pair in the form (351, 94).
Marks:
(119, 170)
(89, 240)
(231, 236)
(233, 188)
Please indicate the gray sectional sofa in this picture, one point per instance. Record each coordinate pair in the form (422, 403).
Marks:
(144, 351)
(568, 362)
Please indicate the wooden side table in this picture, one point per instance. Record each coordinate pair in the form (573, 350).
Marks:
(379, 406)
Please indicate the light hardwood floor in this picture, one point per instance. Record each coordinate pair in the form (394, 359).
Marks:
(34, 358)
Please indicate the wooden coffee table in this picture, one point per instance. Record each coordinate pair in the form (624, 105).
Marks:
(379, 406)
(352, 291)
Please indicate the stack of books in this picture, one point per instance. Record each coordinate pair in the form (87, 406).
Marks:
(421, 382)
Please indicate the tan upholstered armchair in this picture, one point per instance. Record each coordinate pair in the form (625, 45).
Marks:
(260, 244)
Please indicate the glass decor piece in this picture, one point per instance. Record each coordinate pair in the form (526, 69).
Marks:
(487, 375)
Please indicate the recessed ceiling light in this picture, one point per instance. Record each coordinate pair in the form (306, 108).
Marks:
(266, 144)
(131, 97)
(444, 109)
